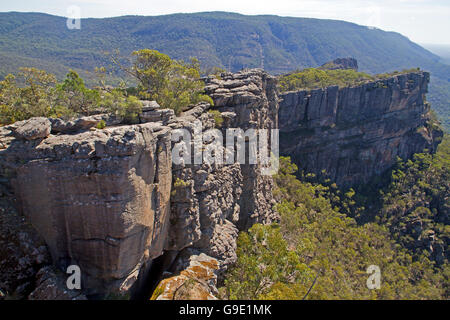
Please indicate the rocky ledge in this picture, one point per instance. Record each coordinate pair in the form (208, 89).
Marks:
(355, 133)
(112, 202)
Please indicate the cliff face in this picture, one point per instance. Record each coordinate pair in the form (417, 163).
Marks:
(100, 199)
(115, 203)
(357, 132)
(249, 100)
(112, 201)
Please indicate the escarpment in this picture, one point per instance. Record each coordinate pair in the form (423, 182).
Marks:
(113, 202)
(131, 205)
(355, 133)
(100, 199)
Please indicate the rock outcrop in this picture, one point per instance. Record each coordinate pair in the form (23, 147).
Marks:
(212, 203)
(32, 129)
(196, 279)
(355, 133)
(22, 251)
(100, 199)
(341, 64)
(112, 202)
(249, 100)
(50, 285)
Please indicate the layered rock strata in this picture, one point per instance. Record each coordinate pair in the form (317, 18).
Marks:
(100, 199)
(356, 133)
(112, 202)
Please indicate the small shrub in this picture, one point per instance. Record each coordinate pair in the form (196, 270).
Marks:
(218, 119)
(101, 125)
(180, 183)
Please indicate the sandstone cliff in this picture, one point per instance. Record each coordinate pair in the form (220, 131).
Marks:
(341, 63)
(112, 202)
(355, 133)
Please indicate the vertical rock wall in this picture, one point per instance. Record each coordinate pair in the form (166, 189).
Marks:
(100, 199)
(250, 101)
(213, 202)
(357, 132)
(112, 202)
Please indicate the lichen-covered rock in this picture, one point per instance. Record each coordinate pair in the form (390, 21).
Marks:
(249, 100)
(355, 133)
(150, 105)
(197, 281)
(210, 203)
(32, 129)
(81, 124)
(155, 115)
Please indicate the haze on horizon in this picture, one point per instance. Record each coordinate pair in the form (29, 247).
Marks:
(422, 21)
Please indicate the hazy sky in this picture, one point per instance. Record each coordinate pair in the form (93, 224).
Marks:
(423, 21)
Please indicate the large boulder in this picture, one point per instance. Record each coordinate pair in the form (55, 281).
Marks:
(197, 280)
(51, 285)
(34, 128)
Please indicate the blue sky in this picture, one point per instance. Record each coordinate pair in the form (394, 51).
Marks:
(423, 21)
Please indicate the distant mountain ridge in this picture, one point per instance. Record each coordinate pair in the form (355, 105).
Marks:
(227, 40)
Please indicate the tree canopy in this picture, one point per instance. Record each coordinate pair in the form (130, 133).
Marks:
(33, 92)
(314, 239)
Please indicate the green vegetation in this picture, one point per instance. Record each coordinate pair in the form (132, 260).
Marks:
(35, 92)
(312, 78)
(439, 97)
(101, 125)
(173, 84)
(35, 98)
(265, 264)
(415, 206)
(395, 73)
(179, 183)
(229, 41)
(218, 119)
(315, 239)
(316, 78)
(73, 95)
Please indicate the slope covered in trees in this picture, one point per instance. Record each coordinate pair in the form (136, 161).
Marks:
(227, 40)
(319, 245)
